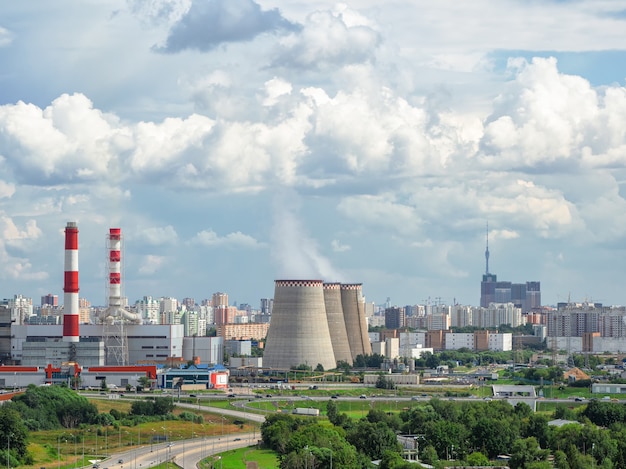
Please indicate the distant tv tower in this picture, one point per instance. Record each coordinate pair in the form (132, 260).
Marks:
(487, 251)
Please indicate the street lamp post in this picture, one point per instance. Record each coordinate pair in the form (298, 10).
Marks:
(8, 450)
(59, 450)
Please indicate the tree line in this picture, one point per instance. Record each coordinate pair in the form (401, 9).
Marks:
(473, 433)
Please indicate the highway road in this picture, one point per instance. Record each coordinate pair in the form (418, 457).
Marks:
(185, 453)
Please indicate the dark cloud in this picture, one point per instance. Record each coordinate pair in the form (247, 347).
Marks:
(210, 23)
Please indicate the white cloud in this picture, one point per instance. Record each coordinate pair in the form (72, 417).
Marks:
(157, 236)
(339, 247)
(329, 39)
(394, 126)
(5, 37)
(6, 190)
(237, 239)
(68, 140)
(151, 264)
(11, 232)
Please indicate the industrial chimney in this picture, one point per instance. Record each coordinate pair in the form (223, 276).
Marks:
(70, 286)
(298, 333)
(115, 274)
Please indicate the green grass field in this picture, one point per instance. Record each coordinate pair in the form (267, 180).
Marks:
(236, 459)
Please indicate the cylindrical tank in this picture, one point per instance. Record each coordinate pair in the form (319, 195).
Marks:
(336, 323)
(298, 332)
(353, 305)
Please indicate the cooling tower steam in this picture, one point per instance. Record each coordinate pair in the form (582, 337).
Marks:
(293, 250)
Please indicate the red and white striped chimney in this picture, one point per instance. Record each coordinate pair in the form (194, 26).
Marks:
(70, 287)
(115, 272)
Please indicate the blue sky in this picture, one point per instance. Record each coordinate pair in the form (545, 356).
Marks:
(236, 142)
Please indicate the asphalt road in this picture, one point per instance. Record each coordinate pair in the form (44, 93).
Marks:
(185, 453)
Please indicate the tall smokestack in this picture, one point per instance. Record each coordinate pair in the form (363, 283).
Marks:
(115, 271)
(298, 333)
(70, 287)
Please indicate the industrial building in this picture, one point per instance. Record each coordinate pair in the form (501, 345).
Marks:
(73, 352)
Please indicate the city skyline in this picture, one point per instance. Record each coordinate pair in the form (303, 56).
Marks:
(236, 142)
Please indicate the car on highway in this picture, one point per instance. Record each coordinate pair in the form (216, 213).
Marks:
(362, 396)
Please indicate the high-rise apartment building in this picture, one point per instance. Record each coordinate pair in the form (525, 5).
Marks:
(50, 300)
(149, 309)
(394, 318)
(219, 299)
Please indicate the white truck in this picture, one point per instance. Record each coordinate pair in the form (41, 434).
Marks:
(306, 411)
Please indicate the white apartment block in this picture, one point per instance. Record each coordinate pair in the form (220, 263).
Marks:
(461, 316)
(168, 304)
(378, 348)
(373, 336)
(392, 348)
(438, 322)
(496, 314)
(455, 341)
(21, 309)
(501, 342)
(149, 309)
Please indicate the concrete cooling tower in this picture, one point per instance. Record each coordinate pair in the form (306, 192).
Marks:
(298, 332)
(336, 323)
(353, 306)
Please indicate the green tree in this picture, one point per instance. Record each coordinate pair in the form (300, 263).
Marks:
(277, 430)
(373, 439)
(429, 455)
(49, 407)
(527, 454)
(492, 436)
(477, 459)
(144, 382)
(13, 430)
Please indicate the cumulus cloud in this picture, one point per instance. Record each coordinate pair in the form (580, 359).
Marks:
(339, 247)
(382, 212)
(159, 11)
(6, 190)
(236, 239)
(156, 236)
(68, 140)
(14, 239)
(209, 23)
(5, 37)
(329, 38)
(544, 117)
(150, 264)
